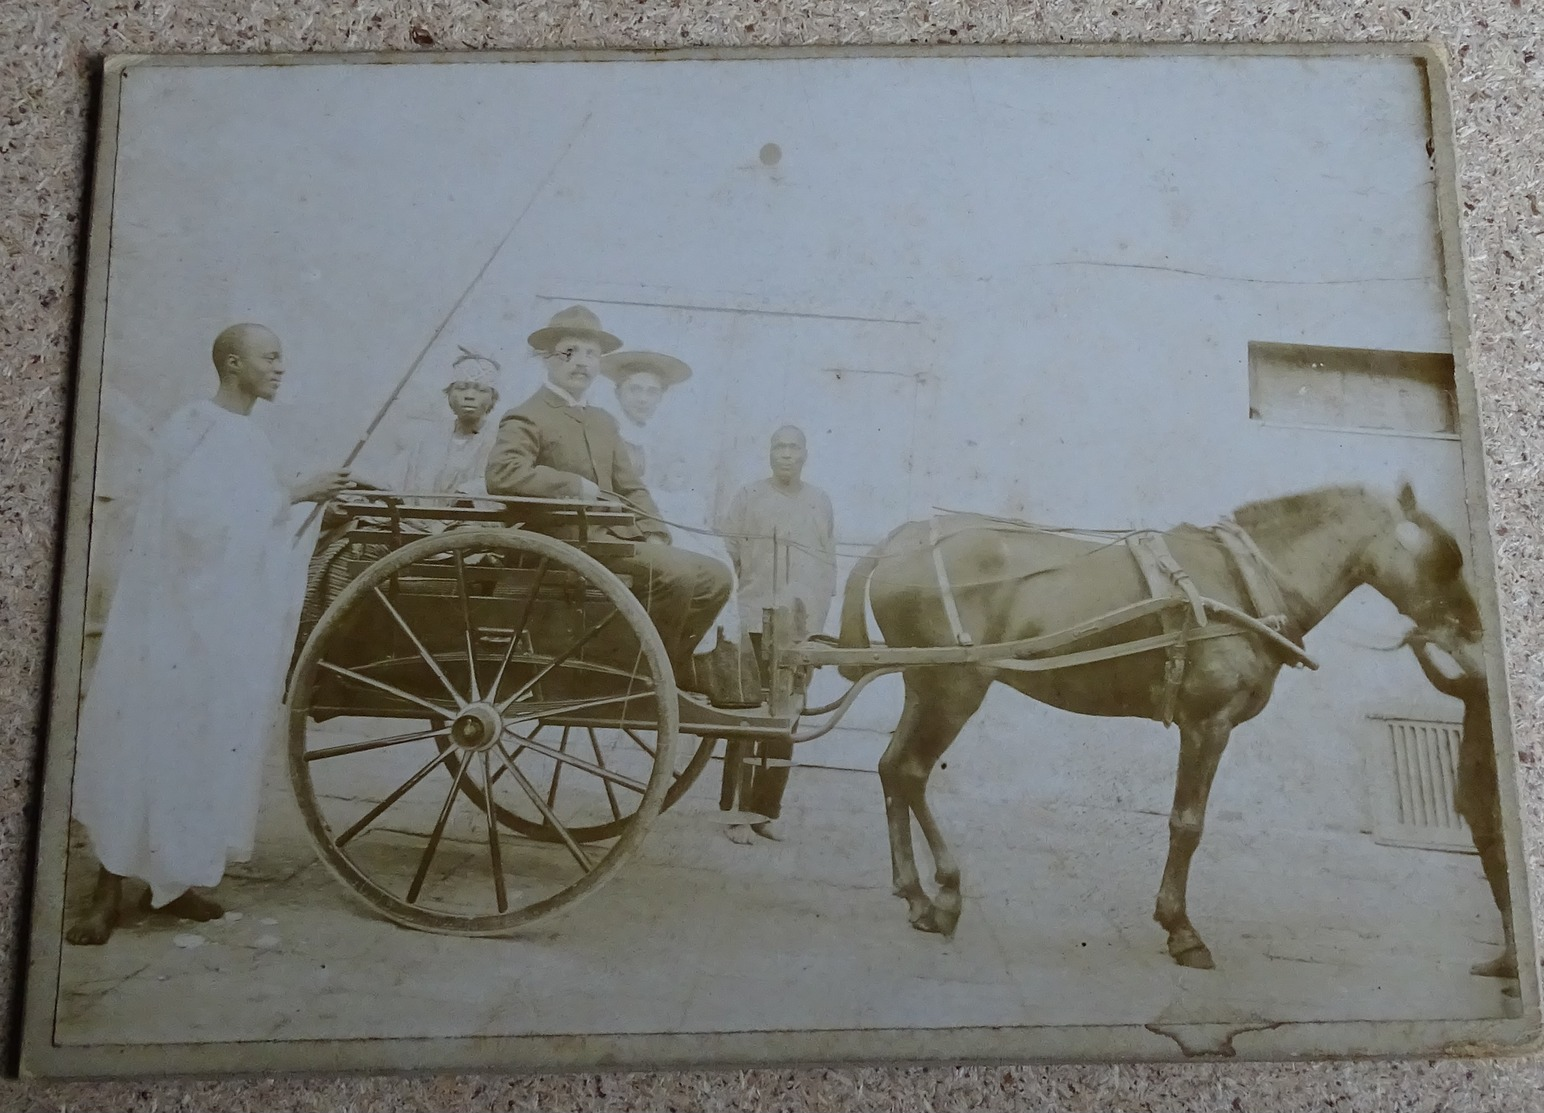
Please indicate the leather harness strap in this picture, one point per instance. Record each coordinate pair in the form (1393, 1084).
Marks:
(1178, 603)
(945, 588)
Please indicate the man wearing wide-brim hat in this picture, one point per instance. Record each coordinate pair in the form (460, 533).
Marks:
(552, 445)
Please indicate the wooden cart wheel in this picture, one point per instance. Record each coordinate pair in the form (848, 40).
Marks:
(491, 632)
(589, 812)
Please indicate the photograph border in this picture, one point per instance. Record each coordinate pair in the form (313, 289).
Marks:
(41, 1057)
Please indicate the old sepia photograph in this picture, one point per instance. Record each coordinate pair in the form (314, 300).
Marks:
(769, 557)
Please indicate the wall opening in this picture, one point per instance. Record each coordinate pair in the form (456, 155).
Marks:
(1365, 390)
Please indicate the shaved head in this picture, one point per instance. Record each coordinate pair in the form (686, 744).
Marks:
(788, 455)
(250, 362)
(237, 340)
(788, 432)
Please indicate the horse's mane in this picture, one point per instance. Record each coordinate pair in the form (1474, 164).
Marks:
(1289, 515)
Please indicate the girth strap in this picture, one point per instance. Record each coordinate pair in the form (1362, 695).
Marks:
(1167, 579)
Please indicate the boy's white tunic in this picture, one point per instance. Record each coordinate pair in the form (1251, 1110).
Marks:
(187, 689)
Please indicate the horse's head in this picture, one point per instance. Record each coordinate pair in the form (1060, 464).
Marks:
(1415, 564)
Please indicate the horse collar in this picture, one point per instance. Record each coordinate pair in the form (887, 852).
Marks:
(1268, 593)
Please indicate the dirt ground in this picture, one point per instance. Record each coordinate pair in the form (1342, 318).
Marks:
(698, 933)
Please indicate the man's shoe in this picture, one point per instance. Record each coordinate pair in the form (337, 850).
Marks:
(728, 674)
(692, 677)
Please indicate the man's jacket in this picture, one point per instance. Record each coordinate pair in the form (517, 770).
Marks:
(545, 446)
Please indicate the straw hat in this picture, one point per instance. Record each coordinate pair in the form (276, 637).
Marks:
(667, 369)
(576, 320)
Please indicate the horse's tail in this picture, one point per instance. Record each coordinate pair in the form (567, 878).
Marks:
(854, 607)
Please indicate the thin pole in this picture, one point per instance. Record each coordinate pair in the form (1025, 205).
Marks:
(380, 414)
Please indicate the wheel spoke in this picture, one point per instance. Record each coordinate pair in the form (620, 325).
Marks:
(434, 836)
(557, 769)
(495, 858)
(584, 639)
(428, 658)
(402, 790)
(611, 793)
(499, 772)
(361, 678)
(609, 775)
(547, 813)
(551, 709)
(519, 628)
(374, 744)
(471, 642)
(642, 745)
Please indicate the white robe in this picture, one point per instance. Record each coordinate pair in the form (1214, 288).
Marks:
(187, 690)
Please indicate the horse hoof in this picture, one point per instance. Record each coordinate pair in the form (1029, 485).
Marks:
(1197, 958)
(936, 923)
(927, 924)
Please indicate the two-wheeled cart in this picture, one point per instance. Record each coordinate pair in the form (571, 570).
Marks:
(483, 720)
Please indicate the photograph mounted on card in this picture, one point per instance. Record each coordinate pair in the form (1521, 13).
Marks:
(769, 557)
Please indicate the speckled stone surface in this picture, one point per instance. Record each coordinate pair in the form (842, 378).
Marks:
(48, 57)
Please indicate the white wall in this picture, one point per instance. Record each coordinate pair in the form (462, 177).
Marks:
(1058, 263)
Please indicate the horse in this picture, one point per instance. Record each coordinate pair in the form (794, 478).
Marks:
(1004, 582)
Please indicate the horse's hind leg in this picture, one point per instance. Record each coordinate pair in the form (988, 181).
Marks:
(936, 710)
(903, 861)
(1200, 749)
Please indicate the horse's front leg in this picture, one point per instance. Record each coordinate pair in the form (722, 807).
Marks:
(1200, 749)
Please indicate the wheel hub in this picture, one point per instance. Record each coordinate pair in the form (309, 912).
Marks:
(477, 727)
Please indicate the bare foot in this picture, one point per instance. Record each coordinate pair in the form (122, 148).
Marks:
(768, 831)
(94, 926)
(740, 833)
(1503, 965)
(192, 906)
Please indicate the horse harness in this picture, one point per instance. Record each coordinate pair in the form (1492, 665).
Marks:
(1187, 621)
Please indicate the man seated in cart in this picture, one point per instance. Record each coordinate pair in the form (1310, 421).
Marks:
(554, 446)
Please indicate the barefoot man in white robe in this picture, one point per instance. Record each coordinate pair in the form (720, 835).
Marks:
(187, 688)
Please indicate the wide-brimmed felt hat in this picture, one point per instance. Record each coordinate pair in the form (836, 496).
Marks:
(669, 370)
(576, 320)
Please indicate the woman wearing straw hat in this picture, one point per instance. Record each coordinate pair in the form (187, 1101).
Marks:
(683, 496)
(641, 379)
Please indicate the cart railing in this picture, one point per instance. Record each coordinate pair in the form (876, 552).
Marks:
(491, 510)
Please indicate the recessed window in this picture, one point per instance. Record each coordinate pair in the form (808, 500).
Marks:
(1356, 389)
